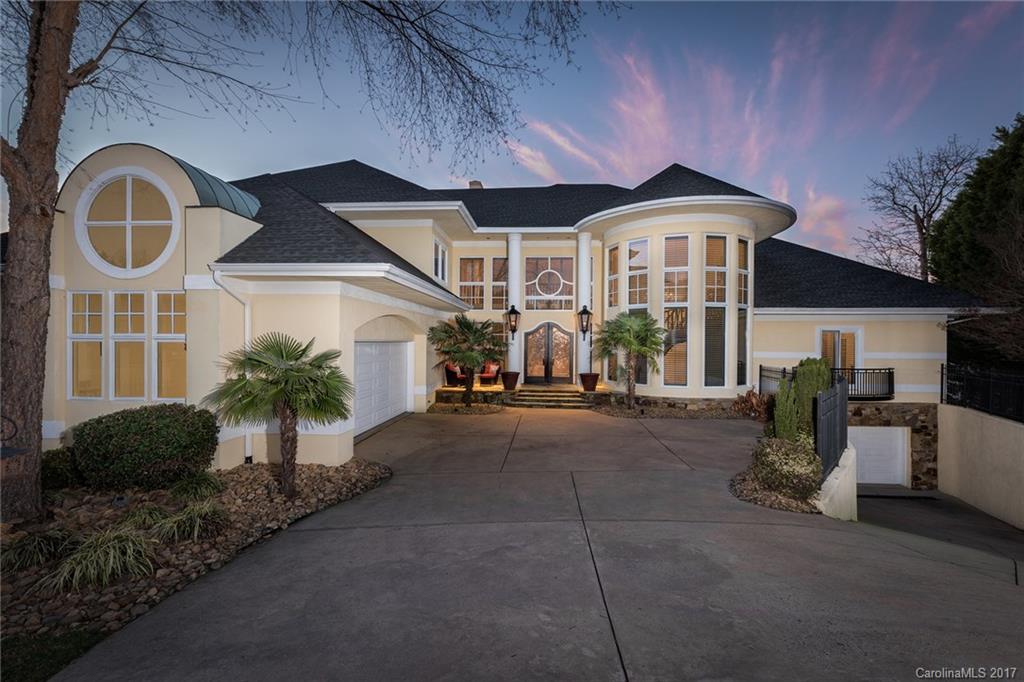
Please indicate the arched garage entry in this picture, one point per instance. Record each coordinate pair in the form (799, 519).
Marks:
(384, 366)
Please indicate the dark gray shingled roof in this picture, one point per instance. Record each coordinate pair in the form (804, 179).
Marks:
(553, 206)
(788, 275)
(213, 191)
(678, 181)
(353, 181)
(297, 229)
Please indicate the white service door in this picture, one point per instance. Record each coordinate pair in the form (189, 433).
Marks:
(882, 453)
(382, 383)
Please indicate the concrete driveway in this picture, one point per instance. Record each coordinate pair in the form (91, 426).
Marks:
(542, 544)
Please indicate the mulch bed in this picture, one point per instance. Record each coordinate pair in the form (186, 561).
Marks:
(459, 408)
(745, 487)
(661, 412)
(255, 511)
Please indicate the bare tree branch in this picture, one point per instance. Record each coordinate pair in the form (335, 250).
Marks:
(909, 196)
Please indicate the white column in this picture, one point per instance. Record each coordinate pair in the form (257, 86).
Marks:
(583, 255)
(515, 297)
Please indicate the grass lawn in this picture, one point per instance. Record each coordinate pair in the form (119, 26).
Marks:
(28, 658)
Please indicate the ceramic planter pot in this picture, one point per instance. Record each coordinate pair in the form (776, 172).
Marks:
(589, 380)
(510, 380)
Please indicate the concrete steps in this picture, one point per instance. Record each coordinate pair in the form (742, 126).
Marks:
(560, 398)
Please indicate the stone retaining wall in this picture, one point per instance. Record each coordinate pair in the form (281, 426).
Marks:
(606, 398)
(488, 396)
(923, 421)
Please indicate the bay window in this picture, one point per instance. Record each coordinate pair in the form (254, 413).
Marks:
(715, 298)
(743, 305)
(638, 266)
(613, 277)
(676, 280)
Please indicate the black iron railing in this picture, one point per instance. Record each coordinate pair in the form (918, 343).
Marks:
(864, 384)
(830, 425)
(985, 390)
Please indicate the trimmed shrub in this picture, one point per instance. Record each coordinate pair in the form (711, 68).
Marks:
(788, 467)
(102, 558)
(812, 375)
(37, 549)
(198, 486)
(58, 469)
(197, 520)
(147, 447)
(786, 421)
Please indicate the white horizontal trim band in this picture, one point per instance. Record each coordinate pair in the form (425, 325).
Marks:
(785, 355)
(918, 388)
(904, 356)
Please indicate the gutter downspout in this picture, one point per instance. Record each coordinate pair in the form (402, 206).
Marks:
(247, 337)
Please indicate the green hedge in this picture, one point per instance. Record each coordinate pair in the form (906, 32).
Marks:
(146, 447)
(58, 469)
(789, 467)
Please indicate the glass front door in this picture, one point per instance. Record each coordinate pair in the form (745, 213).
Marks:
(548, 355)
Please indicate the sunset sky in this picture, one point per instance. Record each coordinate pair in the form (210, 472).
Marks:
(797, 101)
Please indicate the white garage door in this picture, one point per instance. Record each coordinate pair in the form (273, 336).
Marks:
(882, 453)
(382, 383)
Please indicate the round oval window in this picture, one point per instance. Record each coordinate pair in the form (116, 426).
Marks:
(129, 226)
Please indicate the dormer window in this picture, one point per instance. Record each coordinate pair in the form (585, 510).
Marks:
(126, 223)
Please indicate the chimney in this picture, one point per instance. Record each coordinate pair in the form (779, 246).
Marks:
(476, 184)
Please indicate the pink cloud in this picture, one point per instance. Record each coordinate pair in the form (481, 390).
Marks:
(824, 219)
(976, 25)
(640, 117)
(566, 145)
(534, 161)
(780, 188)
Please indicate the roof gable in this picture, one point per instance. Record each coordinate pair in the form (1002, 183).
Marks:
(297, 229)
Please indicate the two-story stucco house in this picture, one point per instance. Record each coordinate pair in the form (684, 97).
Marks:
(159, 268)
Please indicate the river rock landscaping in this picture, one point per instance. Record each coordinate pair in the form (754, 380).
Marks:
(247, 509)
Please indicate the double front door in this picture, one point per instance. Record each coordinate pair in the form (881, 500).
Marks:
(548, 355)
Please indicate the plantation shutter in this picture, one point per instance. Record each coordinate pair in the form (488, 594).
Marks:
(677, 252)
(714, 346)
(715, 255)
(675, 347)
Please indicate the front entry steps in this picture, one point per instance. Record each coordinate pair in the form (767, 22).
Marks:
(562, 398)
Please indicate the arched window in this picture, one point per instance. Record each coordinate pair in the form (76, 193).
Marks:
(127, 223)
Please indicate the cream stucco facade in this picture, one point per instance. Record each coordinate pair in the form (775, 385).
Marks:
(660, 256)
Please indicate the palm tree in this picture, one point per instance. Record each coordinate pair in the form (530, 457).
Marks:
(467, 344)
(277, 376)
(639, 337)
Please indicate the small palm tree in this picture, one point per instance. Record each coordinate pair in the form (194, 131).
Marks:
(467, 344)
(277, 376)
(639, 337)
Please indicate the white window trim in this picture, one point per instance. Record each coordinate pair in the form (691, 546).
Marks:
(675, 304)
(714, 304)
(558, 296)
(442, 251)
(613, 280)
(85, 203)
(157, 337)
(482, 283)
(858, 338)
(72, 337)
(745, 306)
(489, 303)
(125, 336)
(633, 273)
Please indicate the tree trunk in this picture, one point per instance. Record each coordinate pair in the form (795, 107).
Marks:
(289, 447)
(630, 382)
(467, 396)
(32, 183)
(922, 249)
